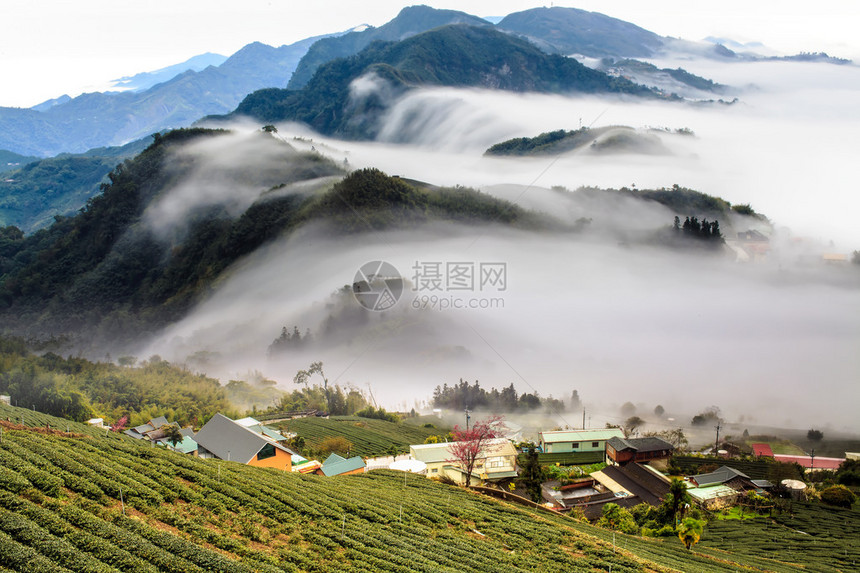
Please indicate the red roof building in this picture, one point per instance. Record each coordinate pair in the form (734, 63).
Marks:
(818, 463)
(762, 451)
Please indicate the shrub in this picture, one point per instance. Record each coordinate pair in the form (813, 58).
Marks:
(838, 495)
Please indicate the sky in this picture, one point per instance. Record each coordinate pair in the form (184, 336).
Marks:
(53, 47)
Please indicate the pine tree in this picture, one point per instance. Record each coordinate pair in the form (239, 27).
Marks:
(533, 475)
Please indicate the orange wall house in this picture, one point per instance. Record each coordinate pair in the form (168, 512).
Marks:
(281, 460)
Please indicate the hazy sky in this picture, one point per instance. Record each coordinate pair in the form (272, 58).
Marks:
(52, 47)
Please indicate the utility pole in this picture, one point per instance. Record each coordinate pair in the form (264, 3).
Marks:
(467, 419)
(812, 460)
(583, 418)
(717, 443)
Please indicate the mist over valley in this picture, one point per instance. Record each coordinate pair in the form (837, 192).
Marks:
(209, 245)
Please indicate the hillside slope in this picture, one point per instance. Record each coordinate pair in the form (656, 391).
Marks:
(85, 502)
(33, 195)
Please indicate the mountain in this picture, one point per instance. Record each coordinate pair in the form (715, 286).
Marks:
(336, 102)
(32, 196)
(572, 31)
(139, 255)
(410, 21)
(146, 80)
(110, 119)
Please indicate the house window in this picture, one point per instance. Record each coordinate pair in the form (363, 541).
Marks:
(595, 444)
(574, 445)
(267, 451)
(434, 471)
(496, 462)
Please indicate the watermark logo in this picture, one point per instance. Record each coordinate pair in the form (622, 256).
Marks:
(441, 285)
(377, 285)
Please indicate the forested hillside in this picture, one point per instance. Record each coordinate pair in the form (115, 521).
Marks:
(32, 196)
(79, 389)
(113, 270)
(456, 55)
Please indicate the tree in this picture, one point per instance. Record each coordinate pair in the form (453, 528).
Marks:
(814, 435)
(335, 445)
(676, 499)
(631, 424)
(659, 411)
(532, 475)
(575, 402)
(709, 416)
(470, 444)
(172, 434)
(303, 376)
(617, 518)
(392, 451)
(120, 424)
(690, 531)
(628, 409)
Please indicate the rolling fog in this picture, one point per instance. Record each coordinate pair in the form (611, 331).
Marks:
(774, 342)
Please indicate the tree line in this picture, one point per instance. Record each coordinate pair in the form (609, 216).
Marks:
(463, 396)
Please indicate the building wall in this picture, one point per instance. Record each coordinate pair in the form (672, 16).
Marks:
(657, 455)
(581, 446)
(621, 457)
(281, 461)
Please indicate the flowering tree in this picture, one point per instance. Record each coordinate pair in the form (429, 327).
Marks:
(120, 424)
(469, 444)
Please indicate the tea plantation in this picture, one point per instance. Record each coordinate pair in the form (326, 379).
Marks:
(91, 501)
(369, 437)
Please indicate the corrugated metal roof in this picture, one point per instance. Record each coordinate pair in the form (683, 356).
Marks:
(143, 428)
(646, 444)
(818, 463)
(186, 446)
(435, 453)
(158, 422)
(336, 465)
(229, 441)
(719, 476)
(580, 435)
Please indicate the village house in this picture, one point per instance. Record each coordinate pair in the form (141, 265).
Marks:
(583, 443)
(226, 439)
(336, 465)
(496, 461)
(621, 451)
(151, 431)
(722, 486)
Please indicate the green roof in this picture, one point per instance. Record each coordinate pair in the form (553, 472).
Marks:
(186, 446)
(336, 465)
(581, 435)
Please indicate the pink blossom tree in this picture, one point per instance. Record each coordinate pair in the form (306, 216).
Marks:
(469, 444)
(120, 424)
